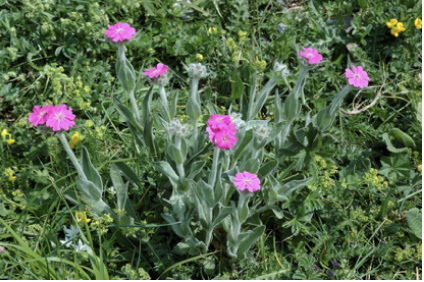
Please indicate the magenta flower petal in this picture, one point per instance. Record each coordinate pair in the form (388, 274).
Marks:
(312, 55)
(39, 116)
(156, 71)
(222, 131)
(349, 73)
(60, 118)
(247, 181)
(357, 77)
(120, 32)
(224, 139)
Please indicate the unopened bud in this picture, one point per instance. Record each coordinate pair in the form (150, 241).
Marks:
(280, 67)
(177, 128)
(197, 70)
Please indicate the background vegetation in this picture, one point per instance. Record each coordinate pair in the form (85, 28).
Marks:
(359, 217)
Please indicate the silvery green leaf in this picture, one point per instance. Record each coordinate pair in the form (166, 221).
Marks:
(247, 239)
(90, 172)
(324, 120)
(126, 74)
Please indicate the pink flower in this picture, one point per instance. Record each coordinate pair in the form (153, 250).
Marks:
(217, 123)
(225, 139)
(120, 32)
(312, 55)
(358, 77)
(156, 71)
(247, 181)
(60, 118)
(222, 131)
(39, 116)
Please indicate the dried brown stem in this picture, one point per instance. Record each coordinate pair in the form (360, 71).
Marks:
(357, 105)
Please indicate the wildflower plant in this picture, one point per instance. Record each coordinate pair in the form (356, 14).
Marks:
(220, 162)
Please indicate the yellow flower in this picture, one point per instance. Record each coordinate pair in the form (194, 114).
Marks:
(199, 57)
(6, 135)
(400, 26)
(242, 35)
(418, 23)
(231, 43)
(212, 30)
(82, 217)
(9, 172)
(397, 29)
(74, 140)
(391, 23)
(259, 65)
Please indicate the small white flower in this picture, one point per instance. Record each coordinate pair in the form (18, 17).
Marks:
(72, 232)
(111, 190)
(80, 247)
(67, 242)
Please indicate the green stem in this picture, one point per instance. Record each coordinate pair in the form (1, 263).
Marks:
(71, 154)
(123, 59)
(194, 88)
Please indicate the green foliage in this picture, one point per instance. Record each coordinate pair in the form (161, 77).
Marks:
(337, 180)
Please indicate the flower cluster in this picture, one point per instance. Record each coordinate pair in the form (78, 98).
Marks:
(55, 117)
(395, 27)
(222, 131)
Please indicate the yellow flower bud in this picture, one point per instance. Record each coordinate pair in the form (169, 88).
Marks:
(212, 30)
(199, 57)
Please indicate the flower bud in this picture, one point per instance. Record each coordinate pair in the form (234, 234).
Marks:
(197, 70)
(175, 127)
(280, 67)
